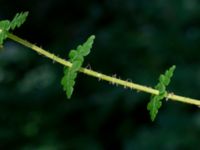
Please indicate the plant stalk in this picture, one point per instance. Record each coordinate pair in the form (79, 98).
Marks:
(101, 76)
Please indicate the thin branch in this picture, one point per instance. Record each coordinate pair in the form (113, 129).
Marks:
(101, 76)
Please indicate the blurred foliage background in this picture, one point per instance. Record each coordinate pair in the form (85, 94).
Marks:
(135, 39)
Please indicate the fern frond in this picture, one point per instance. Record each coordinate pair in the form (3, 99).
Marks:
(6, 25)
(18, 20)
(155, 102)
(76, 57)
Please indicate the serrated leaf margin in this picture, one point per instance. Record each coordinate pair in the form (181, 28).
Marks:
(76, 58)
(155, 101)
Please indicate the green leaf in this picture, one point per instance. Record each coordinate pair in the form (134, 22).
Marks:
(18, 20)
(4, 28)
(76, 57)
(68, 81)
(84, 49)
(155, 102)
(6, 25)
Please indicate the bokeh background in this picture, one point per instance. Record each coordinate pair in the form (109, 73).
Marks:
(136, 40)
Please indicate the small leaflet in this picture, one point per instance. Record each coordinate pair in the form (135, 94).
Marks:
(155, 101)
(76, 57)
(18, 20)
(4, 28)
(6, 25)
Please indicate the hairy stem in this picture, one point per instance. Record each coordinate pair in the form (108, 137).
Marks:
(101, 76)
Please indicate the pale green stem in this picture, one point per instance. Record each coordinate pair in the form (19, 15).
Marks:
(101, 76)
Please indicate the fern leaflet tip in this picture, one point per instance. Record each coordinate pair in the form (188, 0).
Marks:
(18, 20)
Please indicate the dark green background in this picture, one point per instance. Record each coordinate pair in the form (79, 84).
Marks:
(135, 39)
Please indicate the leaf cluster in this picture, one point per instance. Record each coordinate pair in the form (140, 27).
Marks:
(155, 102)
(6, 25)
(76, 57)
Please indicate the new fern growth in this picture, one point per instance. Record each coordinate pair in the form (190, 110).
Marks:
(76, 59)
